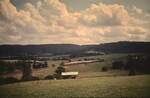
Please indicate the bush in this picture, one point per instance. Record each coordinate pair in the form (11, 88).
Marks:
(35, 78)
(45, 64)
(8, 80)
(104, 68)
(59, 70)
(57, 76)
(53, 65)
(31, 78)
(49, 77)
(132, 72)
(117, 65)
(139, 64)
(7, 67)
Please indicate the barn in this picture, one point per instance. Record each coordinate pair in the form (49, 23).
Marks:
(69, 75)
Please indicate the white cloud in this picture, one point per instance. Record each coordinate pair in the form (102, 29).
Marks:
(49, 21)
(103, 14)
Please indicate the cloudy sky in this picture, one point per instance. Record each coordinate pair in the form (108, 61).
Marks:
(73, 21)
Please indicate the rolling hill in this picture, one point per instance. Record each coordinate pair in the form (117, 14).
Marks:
(47, 49)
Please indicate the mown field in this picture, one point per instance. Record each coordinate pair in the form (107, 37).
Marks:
(121, 86)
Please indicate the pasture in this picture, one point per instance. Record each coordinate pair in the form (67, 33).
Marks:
(91, 82)
(121, 86)
(85, 70)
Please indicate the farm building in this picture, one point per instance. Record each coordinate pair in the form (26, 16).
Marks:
(40, 64)
(71, 75)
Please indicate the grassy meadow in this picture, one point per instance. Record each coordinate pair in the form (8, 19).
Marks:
(121, 86)
(88, 70)
(91, 82)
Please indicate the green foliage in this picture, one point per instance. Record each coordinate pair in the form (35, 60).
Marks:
(135, 64)
(60, 69)
(58, 72)
(117, 65)
(26, 70)
(46, 64)
(8, 67)
(49, 77)
(104, 68)
(8, 80)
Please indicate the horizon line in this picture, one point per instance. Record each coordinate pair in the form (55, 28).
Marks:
(70, 43)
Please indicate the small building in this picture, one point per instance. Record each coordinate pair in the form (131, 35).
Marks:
(69, 75)
(40, 64)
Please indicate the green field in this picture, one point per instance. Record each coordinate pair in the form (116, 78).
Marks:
(85, 70)
(121, 86)
(91, 82)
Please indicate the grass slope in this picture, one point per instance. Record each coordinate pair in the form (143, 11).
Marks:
(125, 86)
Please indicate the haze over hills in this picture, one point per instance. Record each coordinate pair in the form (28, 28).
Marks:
(115, 47)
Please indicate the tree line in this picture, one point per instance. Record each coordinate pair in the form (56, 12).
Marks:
(135, 64)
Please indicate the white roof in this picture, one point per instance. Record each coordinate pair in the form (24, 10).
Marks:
(80, 62)
(69, 73)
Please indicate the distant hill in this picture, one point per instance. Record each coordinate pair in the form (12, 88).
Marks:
(123, 47)
(17, 50)
(116, 47)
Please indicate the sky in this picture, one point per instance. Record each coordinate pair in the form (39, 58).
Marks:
(73, 21)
